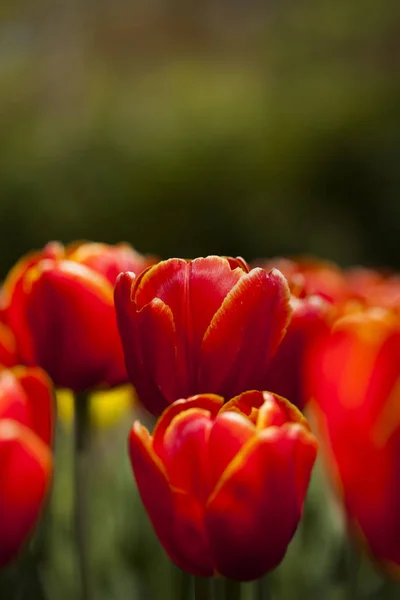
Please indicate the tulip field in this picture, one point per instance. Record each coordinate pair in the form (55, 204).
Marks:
(198, 429)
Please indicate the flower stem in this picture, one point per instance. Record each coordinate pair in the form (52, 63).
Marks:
(354, 564)
(261, 589)
(232, 589)
(183, 587)
(22, 579)
(81, 472)
(202, 588)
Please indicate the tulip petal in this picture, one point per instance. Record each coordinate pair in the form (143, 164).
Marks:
(209, 280)
(248, 403)
(184, 452)
(39, 397)
(177, 518)
(25, 469)
(8, 347)
(208, 402)
(270, 475)
(15, 298)
(148, 338)
(229, 433)
(194, 291)
(265, 409)
(108, 260)
(244, 333)
(13, 401)
(157, 336)
(72, 318)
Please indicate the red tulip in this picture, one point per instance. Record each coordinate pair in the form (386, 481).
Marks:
(206, 325)
(312, 276)
(26, 430)
(374, 288)
(354, 376)
(59, 303)
(224, 485)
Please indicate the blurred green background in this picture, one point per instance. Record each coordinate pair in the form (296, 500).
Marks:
(223, 126)
(235, 127)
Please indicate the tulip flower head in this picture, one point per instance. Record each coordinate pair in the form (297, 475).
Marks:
(26, 430)
(354, 378)
(375, 288)
(59, 304)
(312, 277)
(206, 325)
(224, 485)
(213, 325)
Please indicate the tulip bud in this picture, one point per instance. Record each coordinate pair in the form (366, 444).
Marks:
(207, 325)
(224, 485)
(60, 306)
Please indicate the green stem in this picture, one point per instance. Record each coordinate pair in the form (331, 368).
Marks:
(183, 585)
(202, 588)
(390, 590)
(232, 589)
(22, 579)
(81, 472)
(261, 589)
(353, 572)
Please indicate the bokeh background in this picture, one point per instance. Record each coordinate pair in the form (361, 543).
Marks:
(223, 126)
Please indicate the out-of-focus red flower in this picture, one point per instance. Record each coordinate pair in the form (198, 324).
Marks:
(26, 431)
(224, 485)
(354, 378)
(59, 304)
(374, 288)
(207, 325)
(311, 276)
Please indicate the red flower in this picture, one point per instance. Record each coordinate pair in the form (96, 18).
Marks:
(26, 430)
(354, 376)
(374, 288)
(224, 485)
(59, 303)
(312, 276)
(207, 325)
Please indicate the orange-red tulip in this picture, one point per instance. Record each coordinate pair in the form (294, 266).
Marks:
(312, 276)
(375, 288)
(354, 377)
(224, 485)
(207, 325)
(26, 430)
(59, 304)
